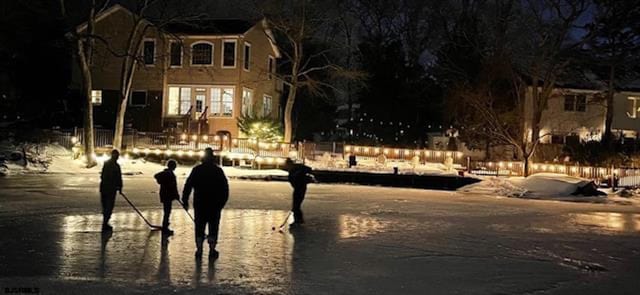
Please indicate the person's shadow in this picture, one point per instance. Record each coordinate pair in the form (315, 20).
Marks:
(197, 274)
(104, 239)
(164, 271)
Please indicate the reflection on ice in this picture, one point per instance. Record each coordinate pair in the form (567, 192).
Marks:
(358, 226)
(251, 254)
(611, 221)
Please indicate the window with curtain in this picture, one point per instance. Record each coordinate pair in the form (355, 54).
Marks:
(267, 105)
(222, 101)
(247, 102)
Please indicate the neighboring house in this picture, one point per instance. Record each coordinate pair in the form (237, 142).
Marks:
(578, 114)
(198, 76)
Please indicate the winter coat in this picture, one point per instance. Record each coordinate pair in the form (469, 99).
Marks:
(298, 175)
(111, 177)
(168, 185)
(210, 186)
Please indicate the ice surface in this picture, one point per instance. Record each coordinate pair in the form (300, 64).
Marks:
(357, 240)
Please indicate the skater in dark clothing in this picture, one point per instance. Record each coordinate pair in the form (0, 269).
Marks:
(298, 178)
(110, 184)
(211, 192)
(168, 192)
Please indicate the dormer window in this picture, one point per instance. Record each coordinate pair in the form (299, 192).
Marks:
(202, 54)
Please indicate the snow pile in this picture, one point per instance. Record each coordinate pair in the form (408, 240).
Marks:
(495, 186)
(541, 185)
(16, 158)
(376, 166)
(55, 159)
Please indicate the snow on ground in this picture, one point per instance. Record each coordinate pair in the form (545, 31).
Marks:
(58, 160)
(547, 186)
(387, 168)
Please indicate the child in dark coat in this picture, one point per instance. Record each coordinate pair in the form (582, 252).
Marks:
(168, 192)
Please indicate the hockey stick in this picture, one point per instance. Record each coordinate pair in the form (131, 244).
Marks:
(283, 223)
(185, 210)
(139, 213)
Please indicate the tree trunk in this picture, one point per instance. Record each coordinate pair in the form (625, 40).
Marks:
(119, 127)
(525, 171)
(288, 114)
(87, 86)
(607, 137)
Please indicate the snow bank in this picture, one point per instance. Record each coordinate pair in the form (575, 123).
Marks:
(541, 185)
(16, 158)
(387, 168)
(55, 159)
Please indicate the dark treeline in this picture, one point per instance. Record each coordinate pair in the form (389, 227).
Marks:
(401, 69)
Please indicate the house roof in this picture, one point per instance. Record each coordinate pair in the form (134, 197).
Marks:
(212, 27)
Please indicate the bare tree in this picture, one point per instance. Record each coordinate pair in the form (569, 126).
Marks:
(613, 50)
(148, 15)
(296, 25)
(528, 47)
(83, 44)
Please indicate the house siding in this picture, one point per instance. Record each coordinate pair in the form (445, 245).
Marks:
(157, 78)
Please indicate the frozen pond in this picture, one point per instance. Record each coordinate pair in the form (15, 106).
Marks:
(357, 240)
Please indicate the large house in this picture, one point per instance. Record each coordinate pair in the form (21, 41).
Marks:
(199, 76)
(578, 114)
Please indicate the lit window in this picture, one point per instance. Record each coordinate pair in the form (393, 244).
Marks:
(176, 54)
(271, 63)
(149, 51)
(229, 54)
(185, 100)
(173, 107)
(267, 105)
(138, 98)
(179, 101)
(96, 97)
(247, 102)
(633, 107)
(247, 56)
(201, 54)
(222, 101)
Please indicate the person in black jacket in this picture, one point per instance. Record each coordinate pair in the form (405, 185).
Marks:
(168, 192)
(110, 183)
(298, 178)
(211, 192)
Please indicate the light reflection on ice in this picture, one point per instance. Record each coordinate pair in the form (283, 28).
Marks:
(251, 254)
(358, 226)
(612, 221)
